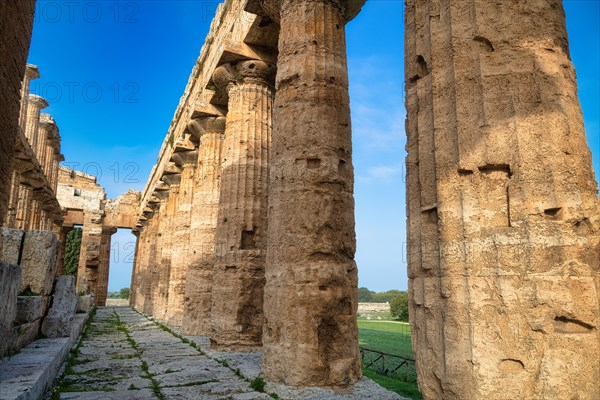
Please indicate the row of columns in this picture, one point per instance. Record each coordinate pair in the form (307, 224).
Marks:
(264, 246)
(208, 222)
(34, 180)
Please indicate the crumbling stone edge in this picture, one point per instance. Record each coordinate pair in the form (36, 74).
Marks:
(31, 373)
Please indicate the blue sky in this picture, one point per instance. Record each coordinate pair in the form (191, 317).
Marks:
(114, 71)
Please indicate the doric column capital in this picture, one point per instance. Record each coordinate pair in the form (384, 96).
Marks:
(185, 158)
(207, 124)
(349, 8)
(32, 72)
(46, 119)
(37, 101)
(255, 71)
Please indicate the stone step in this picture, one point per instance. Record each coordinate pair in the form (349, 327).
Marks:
(30, 373)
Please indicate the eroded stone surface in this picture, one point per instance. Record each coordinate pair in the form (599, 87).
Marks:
(311, 294)
(30, 308)
(38, 261)
(64, 304)
(12, 241)
(503, 214)
(85, 303)
(10, 276)
(241, 235)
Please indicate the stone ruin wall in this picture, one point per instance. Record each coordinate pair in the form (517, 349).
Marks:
(34, 299)
(86, 205)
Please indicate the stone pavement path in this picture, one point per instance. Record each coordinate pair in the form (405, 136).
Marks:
(123, 355)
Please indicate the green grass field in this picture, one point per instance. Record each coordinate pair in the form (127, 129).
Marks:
(393, 338)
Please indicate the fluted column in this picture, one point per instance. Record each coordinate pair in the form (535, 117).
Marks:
(135, 270)
(205, 205)
(503, 218)
(238, 283)
(31, 73)
(35, 104)
(10, 220)
(23, 210)
(311, 294)
(185, 156)
(47, 132)
(141, 265)
(157, 271)
(168, 227)
(89, 255)
(150, 276)
(104, 266)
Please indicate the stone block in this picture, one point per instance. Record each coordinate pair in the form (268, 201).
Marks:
(23, 334)
(30, 308)
(64, 304)
(12, 240)
(38, 261)
(10, 275)
(85, 303)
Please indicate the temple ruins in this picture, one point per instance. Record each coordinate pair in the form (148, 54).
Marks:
(245, 227)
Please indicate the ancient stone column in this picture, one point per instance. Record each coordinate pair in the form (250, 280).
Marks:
(104, 266)
(164, 249)
(311, 294)
(205, 204)
(155, 273)
(10, 219)
(16, 20)
(503, 218)
(89, 254)
(238, 283)
(141, 264)
(35, 104)
(46, 147)
(135, 271)
(185, 157)
(31, 73)
(23, 211)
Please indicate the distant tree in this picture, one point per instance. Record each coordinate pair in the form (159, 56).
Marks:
(385, 297)
(399, 307)
(72, 248)
(124, 293)
(364, 295)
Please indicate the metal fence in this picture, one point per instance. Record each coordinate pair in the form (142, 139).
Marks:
(390, 365)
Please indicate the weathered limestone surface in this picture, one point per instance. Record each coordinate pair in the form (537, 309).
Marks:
(10, 276)
(240, 239)
(185, 158)
(85, 303)
(16, 19)
(503, 214)
(311, 294)
(38, 261)
(199, 278)
(12, 242)
(23, 334)
(58, 321)
(30, 308)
